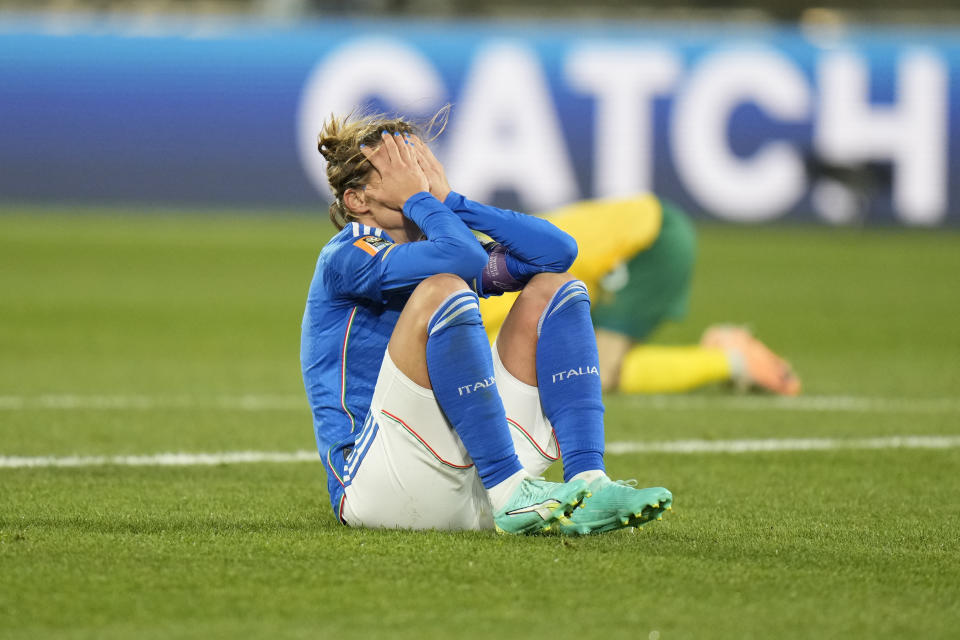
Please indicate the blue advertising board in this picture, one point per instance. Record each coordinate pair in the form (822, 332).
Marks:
(745, 124)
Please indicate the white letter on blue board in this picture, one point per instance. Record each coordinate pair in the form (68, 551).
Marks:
(764, 185)
(912, 133)
(624, 81)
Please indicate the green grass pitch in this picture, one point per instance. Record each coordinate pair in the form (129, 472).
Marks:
(143, 334)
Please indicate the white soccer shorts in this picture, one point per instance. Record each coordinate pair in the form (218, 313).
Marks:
(410, 470)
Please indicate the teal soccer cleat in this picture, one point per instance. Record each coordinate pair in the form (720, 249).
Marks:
(617, 505)
(537, 504)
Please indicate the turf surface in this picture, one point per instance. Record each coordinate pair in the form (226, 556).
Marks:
(141, 334)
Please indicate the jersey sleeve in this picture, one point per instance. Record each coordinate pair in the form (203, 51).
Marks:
(533, 245)
(354, 269)
(373, 268)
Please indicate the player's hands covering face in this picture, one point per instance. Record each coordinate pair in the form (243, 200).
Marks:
(400, 173)
(432, 168)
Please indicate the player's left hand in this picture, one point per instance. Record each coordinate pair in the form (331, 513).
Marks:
(432, 168)
(400, 173)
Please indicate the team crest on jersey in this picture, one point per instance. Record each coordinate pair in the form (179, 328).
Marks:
(372, 244)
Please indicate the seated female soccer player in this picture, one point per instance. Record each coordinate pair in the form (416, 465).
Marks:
(419, 423)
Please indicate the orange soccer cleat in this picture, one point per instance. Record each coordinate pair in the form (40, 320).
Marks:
(753, 364)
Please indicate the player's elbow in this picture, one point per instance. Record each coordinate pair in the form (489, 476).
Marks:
(566, 251)
(477, 255)
(474, 259)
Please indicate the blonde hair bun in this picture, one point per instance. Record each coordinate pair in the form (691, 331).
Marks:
(339, 144)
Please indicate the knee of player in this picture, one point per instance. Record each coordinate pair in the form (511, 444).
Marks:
(538, 294)
(543, 286)
(440, 285)
(433, 291)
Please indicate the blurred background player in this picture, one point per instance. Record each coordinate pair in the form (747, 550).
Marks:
(636, 256)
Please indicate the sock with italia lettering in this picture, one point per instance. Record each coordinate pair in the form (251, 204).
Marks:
(460, 366)
(568, 377)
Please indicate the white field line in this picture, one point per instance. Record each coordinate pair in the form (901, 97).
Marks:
(292, 402)
(160, 459)
(147, 403)
(850, 404)
(613, 448)
(784, 444)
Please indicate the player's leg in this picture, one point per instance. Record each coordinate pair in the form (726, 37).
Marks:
(647, 368)
(408, 469)
(753, 364)
(440, 345)
(547, 343)
(636, 256)
(533, 436)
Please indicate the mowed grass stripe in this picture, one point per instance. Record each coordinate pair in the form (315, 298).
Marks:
(613, 448)
(291, 402)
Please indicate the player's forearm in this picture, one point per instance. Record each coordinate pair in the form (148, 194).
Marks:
(449, 247)
(440, 225)
(529, 239)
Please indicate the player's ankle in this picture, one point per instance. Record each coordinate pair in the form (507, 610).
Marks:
(592, 477)
(500, 493)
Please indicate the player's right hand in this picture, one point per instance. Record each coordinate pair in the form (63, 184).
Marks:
(432, 168)
(400, 173)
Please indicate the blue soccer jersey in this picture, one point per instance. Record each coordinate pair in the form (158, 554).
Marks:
(361, 284)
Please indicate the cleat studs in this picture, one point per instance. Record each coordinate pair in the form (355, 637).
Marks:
(670, 508)
(624, 520)
(655, 505)
(659, 518)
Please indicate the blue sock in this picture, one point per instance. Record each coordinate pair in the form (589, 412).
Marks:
(461, 371)
(568, 376)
